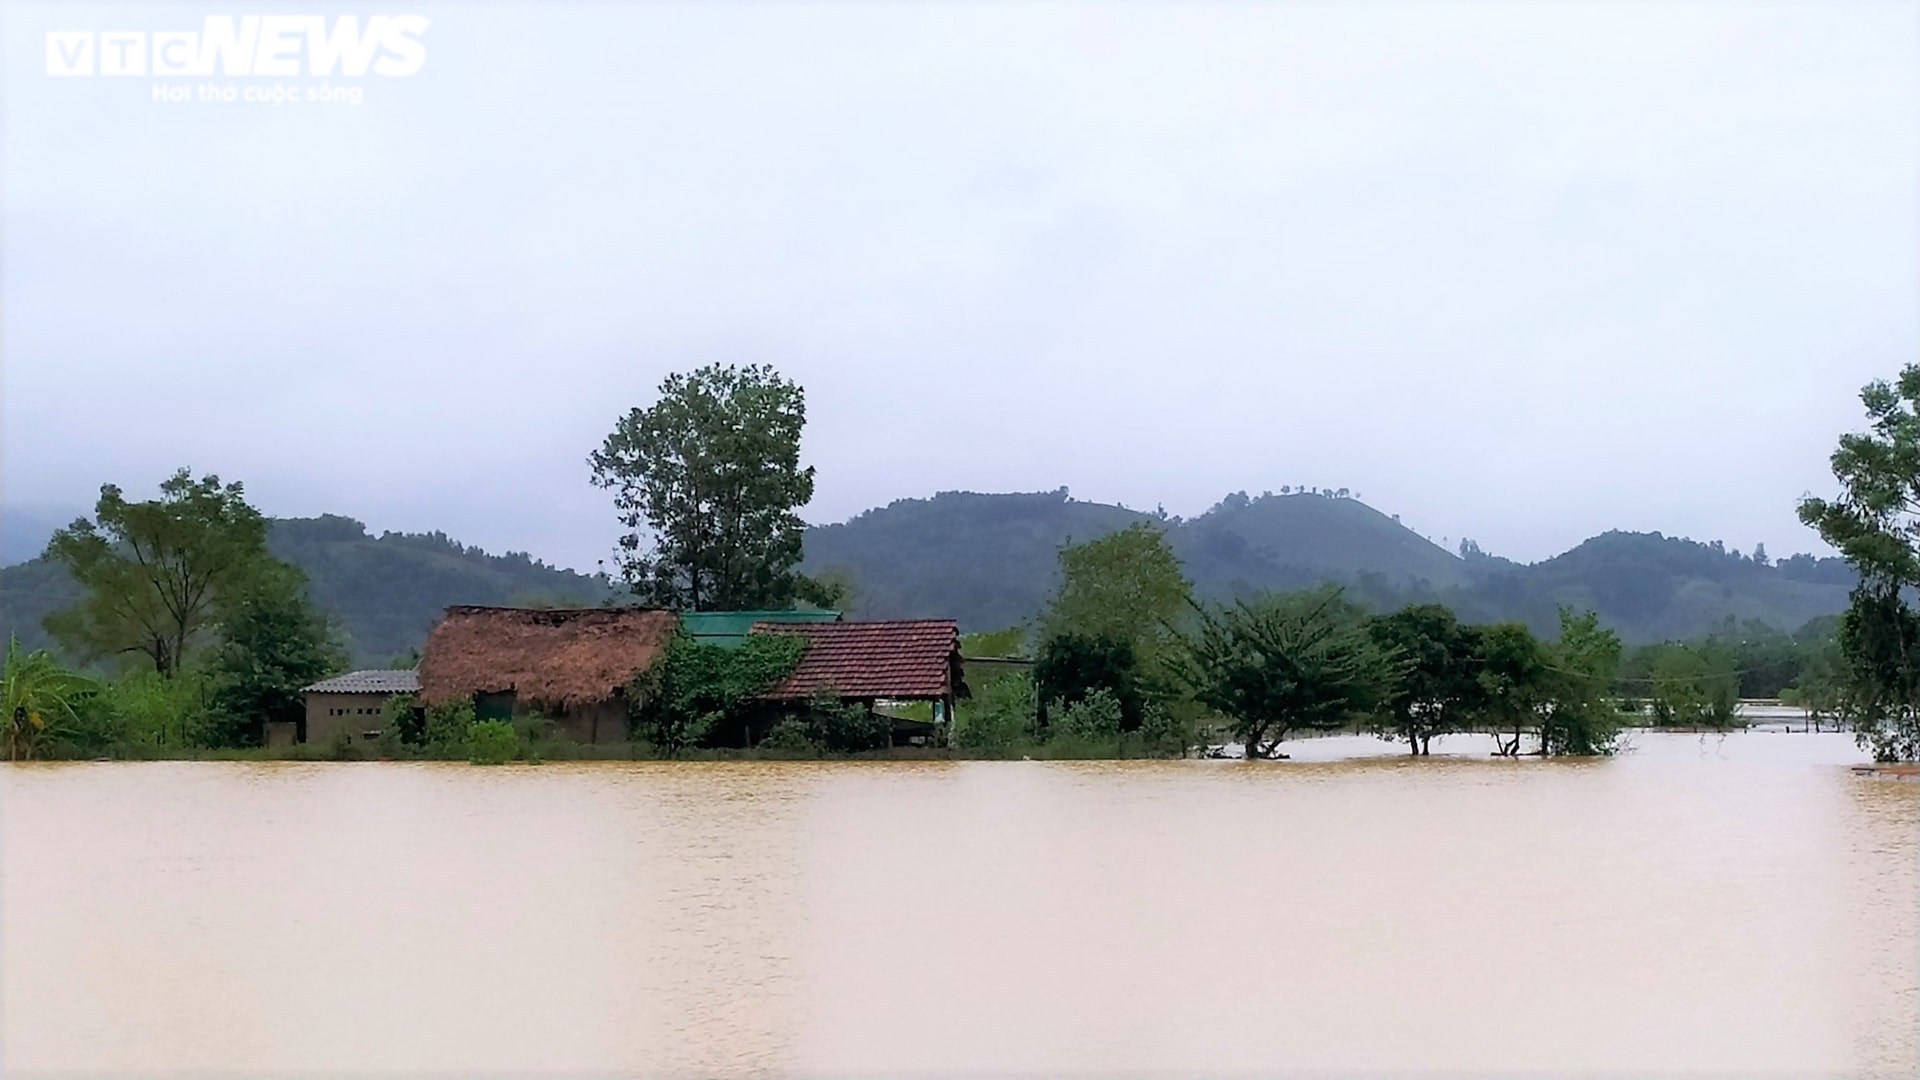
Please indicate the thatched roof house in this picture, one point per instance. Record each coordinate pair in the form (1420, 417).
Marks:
(570, 664)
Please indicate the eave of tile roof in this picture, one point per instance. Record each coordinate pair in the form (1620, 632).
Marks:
(895, 658)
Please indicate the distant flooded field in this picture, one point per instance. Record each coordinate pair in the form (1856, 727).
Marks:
(1736, 903)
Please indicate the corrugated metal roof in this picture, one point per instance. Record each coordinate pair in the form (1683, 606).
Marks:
(730, 628)
(898, 658)
(377, 681)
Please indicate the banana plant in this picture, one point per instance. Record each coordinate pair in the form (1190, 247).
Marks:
(39, 698)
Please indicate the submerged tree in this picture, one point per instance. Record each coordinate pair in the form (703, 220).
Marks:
(154, 573)
(1513, 677)
(708, 483)
(1288, 661)
(1438, 690)
(1875, 525)
(1580, 717)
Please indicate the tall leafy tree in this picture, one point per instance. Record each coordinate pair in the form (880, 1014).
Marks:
(708, 483)
(1284, 662)
(1439, 689)
(1125, 586)
(1513, 680)
(273, 642)
(155, 572)
(1875, 525)
(1582, 661)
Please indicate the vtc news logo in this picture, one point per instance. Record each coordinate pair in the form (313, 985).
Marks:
(262, 46)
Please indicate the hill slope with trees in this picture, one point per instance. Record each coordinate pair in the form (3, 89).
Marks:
(988, 561)
(383, 591)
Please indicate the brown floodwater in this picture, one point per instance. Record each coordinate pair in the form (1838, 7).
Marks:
(1699, 905)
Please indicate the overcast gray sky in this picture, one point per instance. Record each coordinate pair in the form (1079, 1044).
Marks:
(1519, 272)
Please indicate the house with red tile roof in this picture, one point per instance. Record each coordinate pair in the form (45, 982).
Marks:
(875, 662)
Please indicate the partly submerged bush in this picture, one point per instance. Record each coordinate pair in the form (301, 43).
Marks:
(143, 713)
(401, 719)
(1094, 716)
(695, 690)
(1163, 731)
(845, 728)
(791, 736)
(445, 734)
(998, 717)
(491, 742)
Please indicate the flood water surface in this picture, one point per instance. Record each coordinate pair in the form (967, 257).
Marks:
(1718, 904)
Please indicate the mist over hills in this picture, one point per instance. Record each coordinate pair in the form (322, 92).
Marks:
(989, 561)
(24, 530)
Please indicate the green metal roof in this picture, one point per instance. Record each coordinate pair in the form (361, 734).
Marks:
(730, 628)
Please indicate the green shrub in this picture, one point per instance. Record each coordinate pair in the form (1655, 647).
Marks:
(1071, 666)
(695, 692)
(1162, 731)
(342, 748)
(147, 709)
(998, 717)
(1093, 717)
(846, 728)
(791, 736)
(491, 742)
(400, 717)
(445, 735)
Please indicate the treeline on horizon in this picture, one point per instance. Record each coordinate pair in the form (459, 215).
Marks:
(384, 591)
(988, 560)
(707, 485)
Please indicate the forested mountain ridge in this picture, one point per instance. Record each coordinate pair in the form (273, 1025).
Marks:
(989, 560)
(384, 591)
(985, 559)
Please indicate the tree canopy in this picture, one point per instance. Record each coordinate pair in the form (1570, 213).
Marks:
(273, 642)
(708, 483)
(1124, 586)
(1439, 690)
(1875, 525)
(154, 573)
(1286, 661)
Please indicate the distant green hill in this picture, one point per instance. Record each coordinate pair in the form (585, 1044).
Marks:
(384, 591)
(991, 560)
(988, 560)
(1656, 587)
(1247, 545)
(984, 559)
